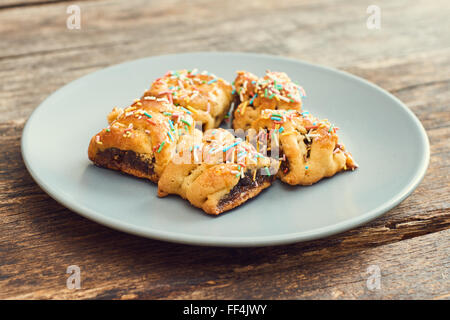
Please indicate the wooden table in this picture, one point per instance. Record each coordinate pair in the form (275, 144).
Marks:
(409, 56)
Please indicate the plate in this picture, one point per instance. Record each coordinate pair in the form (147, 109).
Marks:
(385, 138)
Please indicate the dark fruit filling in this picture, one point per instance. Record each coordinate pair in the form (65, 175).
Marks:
(115, 158)
(244, 185)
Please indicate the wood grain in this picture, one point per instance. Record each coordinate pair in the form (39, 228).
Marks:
(10, 4)
(409, 56)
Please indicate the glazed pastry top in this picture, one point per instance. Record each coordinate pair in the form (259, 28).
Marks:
(275, 89)
(224, 172)
(288, 122)
(150, 126)
(219, 146)
(192, 89)
(310, 147)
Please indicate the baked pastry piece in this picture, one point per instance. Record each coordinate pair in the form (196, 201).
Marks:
(309, 148)
(274, 91)
(141, 139)
(205, 95)
(216, 171)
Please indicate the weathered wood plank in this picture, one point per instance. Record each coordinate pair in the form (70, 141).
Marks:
(409, 56)
(411, 269)
(248, 25)
(43, 54)
(11, 4)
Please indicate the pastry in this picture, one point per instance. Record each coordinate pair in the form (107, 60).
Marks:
(309, 148)
(141, 139)
(216, 171)
(274, 91)
(203, 94)
(158, 138)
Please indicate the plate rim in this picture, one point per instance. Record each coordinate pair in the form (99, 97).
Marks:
(283, 239)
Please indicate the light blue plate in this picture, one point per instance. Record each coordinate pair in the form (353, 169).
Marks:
(385, 138)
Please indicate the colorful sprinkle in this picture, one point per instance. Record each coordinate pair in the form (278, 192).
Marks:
(184, 121)
(161, 146)
(151, 121)
(331, 128)
(171, 125)
(192, 109)
(148, 115)
(244, 107)
(251, 101)
(186, 110)
(231, 146)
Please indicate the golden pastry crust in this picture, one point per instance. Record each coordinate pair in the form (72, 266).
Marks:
(141, 139)
(310, 147)
(274, 91)
(224, 172)
(205, 95)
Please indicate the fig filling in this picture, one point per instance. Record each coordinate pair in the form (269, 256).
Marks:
(235, 103)
(115, 158)
(284, 166)
(245, 184)
(236, 100)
